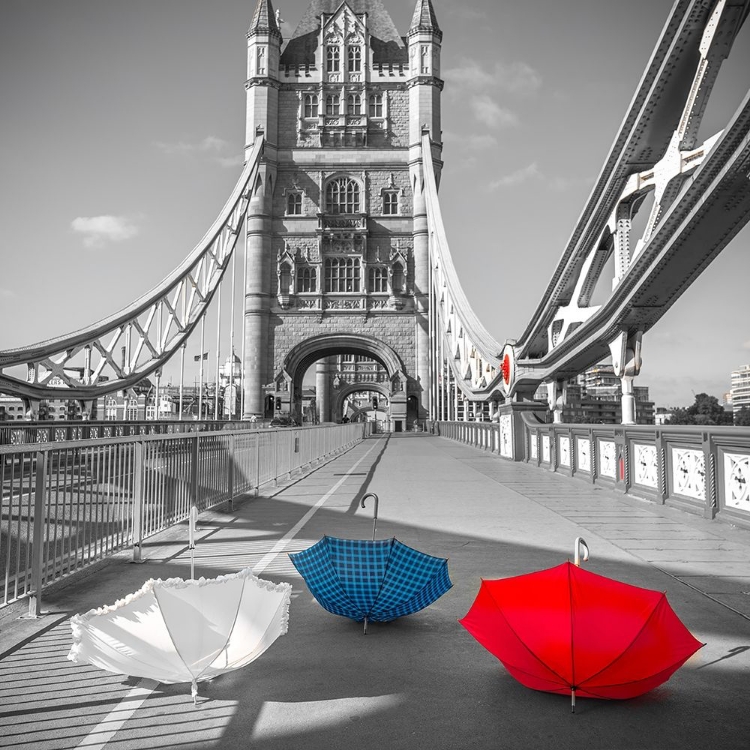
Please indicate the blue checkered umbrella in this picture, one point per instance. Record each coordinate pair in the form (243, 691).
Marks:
(371, 580)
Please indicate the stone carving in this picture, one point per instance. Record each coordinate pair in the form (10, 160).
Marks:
(534, 445)
(607, 459)
(737, 481)
(545, 449)
(583, 454)
(564, 451)
(506, 436)
(646, 469)
(689, 472)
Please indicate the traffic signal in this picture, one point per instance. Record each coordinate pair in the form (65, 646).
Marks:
(375, 402)
(278, 404)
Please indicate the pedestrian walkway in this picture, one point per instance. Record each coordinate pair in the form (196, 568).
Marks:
(419, 682)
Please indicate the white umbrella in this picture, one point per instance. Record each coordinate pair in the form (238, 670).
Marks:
(184, 631)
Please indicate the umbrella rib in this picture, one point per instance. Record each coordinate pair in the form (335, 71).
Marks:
(522, 642)
(171, 637)
(572, 639)
(231, 630)
(661, 599)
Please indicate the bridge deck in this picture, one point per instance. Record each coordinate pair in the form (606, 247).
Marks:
(420, 682)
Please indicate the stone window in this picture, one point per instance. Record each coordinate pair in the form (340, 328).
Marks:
(425, 64)
(294, 204)
(311, 105)
(377, 279)
(390, 203)
(354, 104)
(307, 279)
(342, 274)
(342, 196)
(260, 66)
(332, 104)
(355, 59)
(333, 58)
(376, 105)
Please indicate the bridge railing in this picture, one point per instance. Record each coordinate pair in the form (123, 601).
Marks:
(67, 505)
(700, 469)
(18, 433)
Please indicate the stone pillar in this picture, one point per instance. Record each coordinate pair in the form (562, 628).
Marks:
(626, 362)
(556, 398)
(257, 300)
(421, 295)
(322, 388)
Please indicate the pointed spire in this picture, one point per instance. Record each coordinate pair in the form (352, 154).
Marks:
(424, 18)
(264, 19)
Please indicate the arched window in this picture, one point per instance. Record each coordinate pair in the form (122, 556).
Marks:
(342, 196)
(342, 274)
(294, 204)
(376, 105)
(333, 56)
(311, 105)
(377, 279)
(397, 280)
(355, 59)
(332, 104)
(307, 279)
(354, 104)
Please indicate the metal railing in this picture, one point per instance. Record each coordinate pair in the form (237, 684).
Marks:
(20, 433)
(700, 469)
(67, 505)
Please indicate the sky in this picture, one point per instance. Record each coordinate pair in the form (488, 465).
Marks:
(122, 133)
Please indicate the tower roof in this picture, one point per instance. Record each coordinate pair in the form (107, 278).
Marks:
(424, 17)
(385, 41)
(264, 19)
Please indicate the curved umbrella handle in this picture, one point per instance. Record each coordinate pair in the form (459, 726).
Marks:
(375, 517)
(580, 543)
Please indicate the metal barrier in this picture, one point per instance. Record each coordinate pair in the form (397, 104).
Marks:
(50, 431)
(699, 469)
(66, 505)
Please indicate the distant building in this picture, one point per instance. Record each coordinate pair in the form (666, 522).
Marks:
(740, 392)
(595, 396)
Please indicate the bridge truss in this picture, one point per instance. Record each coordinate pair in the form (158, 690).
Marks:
(701, 201)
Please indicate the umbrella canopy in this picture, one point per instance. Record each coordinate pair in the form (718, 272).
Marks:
(184, 631)
(371, 580)
(567, 630)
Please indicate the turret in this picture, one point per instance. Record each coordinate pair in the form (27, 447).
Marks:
(425, 84)
(263, 52)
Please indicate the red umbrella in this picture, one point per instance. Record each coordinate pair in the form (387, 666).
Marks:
(567, 630)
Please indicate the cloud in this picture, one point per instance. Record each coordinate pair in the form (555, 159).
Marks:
(514, 78)
(490, 113)
(6, 293)
(99, 230)
(530, 172)
(746, 345)
(231, 161)
(465, 12)
(561, 184)
(210, 144)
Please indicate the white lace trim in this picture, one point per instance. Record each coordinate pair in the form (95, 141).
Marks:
(79, 620)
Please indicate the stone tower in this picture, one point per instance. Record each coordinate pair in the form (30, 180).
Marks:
(337, 253)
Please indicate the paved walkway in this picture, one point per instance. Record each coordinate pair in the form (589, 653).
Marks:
(422, 681)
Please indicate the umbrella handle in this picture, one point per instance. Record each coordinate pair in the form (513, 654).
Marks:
(192, 523)
(375, 517)
(580, 542)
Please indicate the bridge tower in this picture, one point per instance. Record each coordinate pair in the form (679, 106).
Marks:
(337, 255)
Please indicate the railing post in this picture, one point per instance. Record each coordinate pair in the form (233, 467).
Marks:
(194, 471)
(138, 502)
(37, 547)
(256, 489)
(230, 478)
